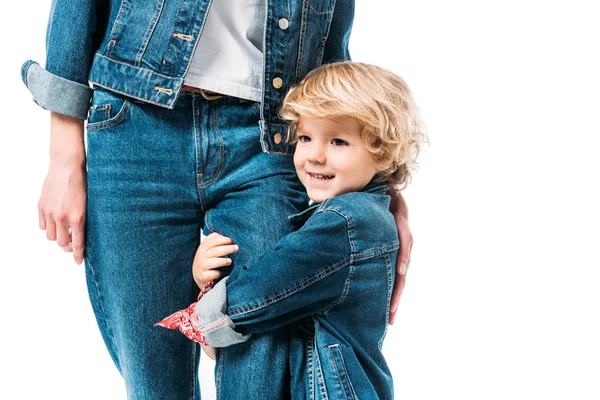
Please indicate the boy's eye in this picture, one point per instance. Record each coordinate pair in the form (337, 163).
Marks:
(303, 138)
(339, 142)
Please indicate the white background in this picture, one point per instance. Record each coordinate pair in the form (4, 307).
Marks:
(502, 299)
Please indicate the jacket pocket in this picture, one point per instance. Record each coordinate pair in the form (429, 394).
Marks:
(345, 389)
(107, 109)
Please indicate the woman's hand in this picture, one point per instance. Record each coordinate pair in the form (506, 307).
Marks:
(400, 211)
(62, 204)
(210, 257)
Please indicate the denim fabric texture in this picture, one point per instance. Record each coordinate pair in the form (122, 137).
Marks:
(156, 178)
(331, 282)
(143, 49)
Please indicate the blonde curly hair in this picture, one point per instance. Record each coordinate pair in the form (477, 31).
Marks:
(378, 99)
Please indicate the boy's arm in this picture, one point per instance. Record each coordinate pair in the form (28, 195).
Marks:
(307, 273)
(74, 31)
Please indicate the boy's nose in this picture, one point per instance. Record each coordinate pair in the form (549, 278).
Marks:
(317, 155)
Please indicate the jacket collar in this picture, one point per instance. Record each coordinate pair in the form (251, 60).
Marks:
(297, 220)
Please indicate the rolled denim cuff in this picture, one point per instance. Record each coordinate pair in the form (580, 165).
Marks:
(54, 93)
(214, 323)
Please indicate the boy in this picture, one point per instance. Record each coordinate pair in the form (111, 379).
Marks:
(357, 132)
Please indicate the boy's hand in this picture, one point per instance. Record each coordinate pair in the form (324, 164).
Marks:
(400, 211)
(210, 256)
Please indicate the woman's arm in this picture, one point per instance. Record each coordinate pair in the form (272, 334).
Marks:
(73, 34)
(400, 211)
(62, 203)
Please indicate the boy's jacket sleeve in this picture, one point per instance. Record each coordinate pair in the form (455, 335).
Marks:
(306, 274)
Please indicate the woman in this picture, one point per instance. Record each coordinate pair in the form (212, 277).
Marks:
(183, 135)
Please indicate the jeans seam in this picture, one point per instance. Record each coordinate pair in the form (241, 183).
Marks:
(193, 372)
(337, 371)
(111, 122)
(199, 159)
(219, 372)
(101, 307)
(302, 34)
(217, 173)
(320, 378)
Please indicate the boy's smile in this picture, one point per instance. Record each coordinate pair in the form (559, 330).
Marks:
(330, 157)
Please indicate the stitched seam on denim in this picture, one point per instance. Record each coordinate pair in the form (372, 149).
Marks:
(349, 226)
(116, 24)
(390, 288)
(217, 173)
(374, 253)
(278, 152)
(309, 366)
(286, 293)
(108, 328)
(193, 372)
(138, 68)
(117, 119)
(219, 372)
(208, 221)
(264, 71)
(337, 372)
(346, 288)
(149, 32)
(321, 48)
(216, 324)
(198, 159)
(303, 24)
(164, 57)
(347, 386)
(99, 108)
(127, 94)
(318, 12)
(348, 380)
(320, 377)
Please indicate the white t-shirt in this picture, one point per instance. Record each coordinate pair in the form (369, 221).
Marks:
(229, 55)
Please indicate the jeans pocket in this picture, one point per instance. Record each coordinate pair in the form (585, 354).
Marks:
(341, 373)
(107, 109)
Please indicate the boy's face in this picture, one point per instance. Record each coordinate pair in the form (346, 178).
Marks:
(330, 157)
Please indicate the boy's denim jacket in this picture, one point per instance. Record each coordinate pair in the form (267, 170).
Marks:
(331, 282)
(143, 49)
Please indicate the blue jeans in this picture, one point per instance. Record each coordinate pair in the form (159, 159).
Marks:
(156, 178)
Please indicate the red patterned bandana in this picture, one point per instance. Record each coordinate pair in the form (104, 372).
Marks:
(187, 320)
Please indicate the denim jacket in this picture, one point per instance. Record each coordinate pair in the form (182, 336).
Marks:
(143, 49)
(331, 282)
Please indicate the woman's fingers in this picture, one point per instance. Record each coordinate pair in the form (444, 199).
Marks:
(398, 289)
(41, 220)
(50, 228)
(77, 242)
(62, 236)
